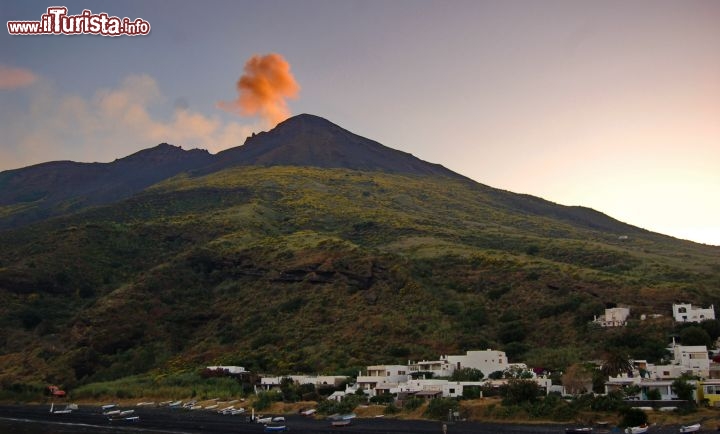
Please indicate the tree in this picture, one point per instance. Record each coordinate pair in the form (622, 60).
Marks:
(616, 363)
(519, 391)
(577, 379)
(684, 390)
(439, 408)
(632, 417)
(516, 371)
(712, 327)
(495, 375)
(695, 335)
(653, 395)
(467, 374)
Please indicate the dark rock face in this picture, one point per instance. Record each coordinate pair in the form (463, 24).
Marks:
(308, 140)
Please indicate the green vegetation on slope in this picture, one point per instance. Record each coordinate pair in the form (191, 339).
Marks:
(288, 269)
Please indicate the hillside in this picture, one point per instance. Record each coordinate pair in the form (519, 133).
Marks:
(57, 188)
(299, 269)
(307, 269)
(44, 190)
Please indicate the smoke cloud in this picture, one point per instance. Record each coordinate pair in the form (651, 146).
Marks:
(263, 89)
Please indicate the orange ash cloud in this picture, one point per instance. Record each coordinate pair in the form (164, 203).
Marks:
(15, 78)
(263, 89)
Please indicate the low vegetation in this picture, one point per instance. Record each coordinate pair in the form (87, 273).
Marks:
(300, 270)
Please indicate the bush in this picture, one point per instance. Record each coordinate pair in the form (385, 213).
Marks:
(391, 409)
(632, 417)
(520, 391)
(611, 402)
(385, 398)
(439, 408)
(265, 399)
(467, 374)
(654, 395)
(413, 404)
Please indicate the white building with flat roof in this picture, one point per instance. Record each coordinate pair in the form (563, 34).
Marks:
(486, 361)
(613, 317)
(686, 312)
(384, 376)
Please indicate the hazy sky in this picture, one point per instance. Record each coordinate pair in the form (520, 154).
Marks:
(613, 105)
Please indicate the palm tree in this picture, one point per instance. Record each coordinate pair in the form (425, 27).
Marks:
(615, 363)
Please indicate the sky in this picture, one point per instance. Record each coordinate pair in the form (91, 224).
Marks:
(613, 105)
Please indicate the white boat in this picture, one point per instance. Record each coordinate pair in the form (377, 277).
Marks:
(641, 429)
(690, 428)
(278, 419)
(264, 420)
(226, 410)
(66, 410)
(125, 413)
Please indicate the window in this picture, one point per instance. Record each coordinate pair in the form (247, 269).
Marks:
(682, 310)
(452, 390)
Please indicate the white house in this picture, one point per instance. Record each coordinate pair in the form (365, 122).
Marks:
(693, 359)
(317, 380)
(228, 369)
(385, 376)
(685, 312)
(614, 317)
(487, 361)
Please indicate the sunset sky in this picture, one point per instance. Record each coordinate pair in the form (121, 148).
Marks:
(613, 105)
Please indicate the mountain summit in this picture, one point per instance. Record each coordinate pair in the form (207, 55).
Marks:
(55, 188)
(308, 140)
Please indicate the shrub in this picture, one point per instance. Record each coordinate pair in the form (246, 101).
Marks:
(413, 404)
(391, 409)
(265, 399)
(654, 395)
(385, 398)
(520, 391)
(632, 417)
(439, 408)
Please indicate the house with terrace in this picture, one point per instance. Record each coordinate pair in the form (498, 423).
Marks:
(685, 312)
(486, 361)
(383, 376)
(613, 317)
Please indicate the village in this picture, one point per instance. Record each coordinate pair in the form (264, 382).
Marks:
(651, 385)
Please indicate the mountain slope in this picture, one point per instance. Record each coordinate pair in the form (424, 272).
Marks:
(286, 269)
(363, 255)
(50, 189)
(45, 190)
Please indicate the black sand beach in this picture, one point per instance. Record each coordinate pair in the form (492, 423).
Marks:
(36, 419)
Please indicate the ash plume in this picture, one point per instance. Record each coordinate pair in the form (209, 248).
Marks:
(263, 89)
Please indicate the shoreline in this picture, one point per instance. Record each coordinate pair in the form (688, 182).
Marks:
(164, 420)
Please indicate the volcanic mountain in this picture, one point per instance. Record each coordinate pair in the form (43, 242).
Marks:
(56, 188)
(311, 141)
(311, 249)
